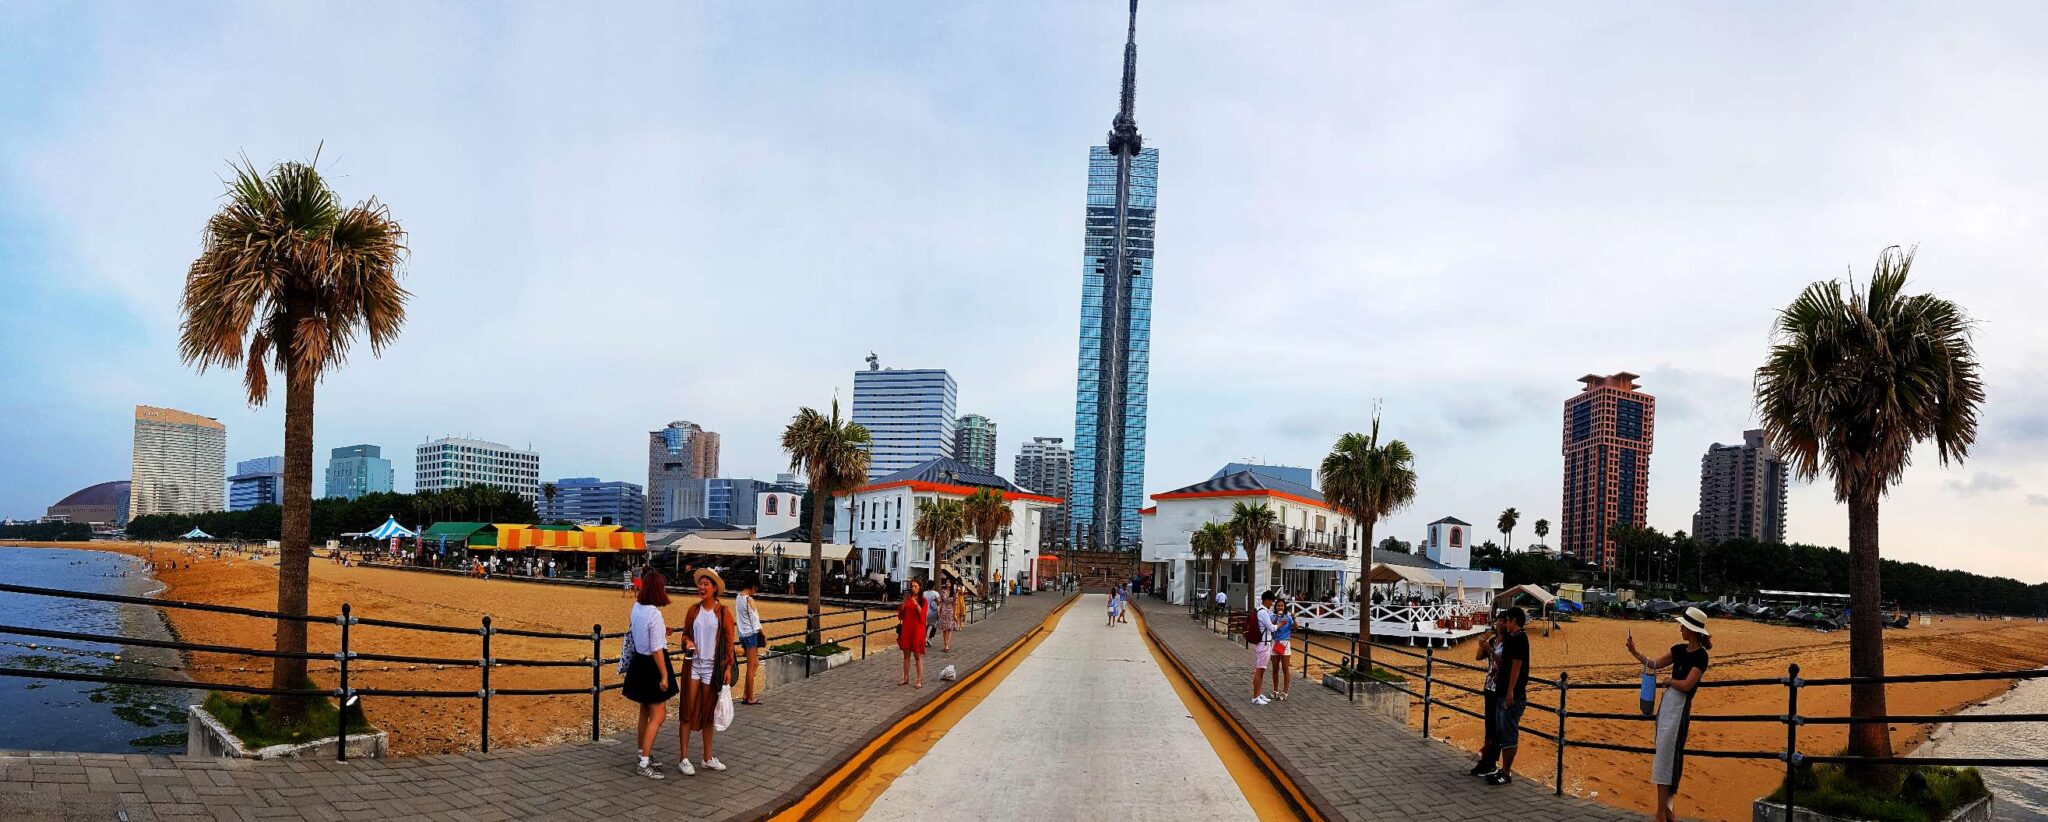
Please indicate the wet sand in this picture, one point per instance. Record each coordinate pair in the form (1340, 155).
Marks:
(420, 725)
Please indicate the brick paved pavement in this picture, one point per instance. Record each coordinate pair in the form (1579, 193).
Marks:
(777, 751)
(1351, 764)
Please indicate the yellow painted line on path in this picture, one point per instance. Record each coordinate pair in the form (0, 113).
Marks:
(1269, 790)
(848, 791)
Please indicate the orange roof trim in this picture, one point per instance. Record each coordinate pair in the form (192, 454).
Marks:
(962, 490)
(1249, 492)
(1146, 512)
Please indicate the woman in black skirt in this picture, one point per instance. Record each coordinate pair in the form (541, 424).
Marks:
(649, 679)
(1688, 662)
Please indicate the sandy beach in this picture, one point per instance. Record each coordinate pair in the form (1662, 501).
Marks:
(420, 725)
(1592, 649)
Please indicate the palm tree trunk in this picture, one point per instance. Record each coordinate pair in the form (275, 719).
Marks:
(1365, 596)
(294, 538)
(813, 627)
(1866, 633)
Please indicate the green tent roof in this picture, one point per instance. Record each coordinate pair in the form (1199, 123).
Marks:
(454, 530)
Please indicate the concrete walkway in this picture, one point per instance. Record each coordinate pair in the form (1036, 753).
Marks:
(1086, 727)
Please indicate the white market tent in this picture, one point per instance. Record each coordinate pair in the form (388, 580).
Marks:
(390, 529)
(197, 534)
(1507, 597)
(707, 546)
(1388, 574)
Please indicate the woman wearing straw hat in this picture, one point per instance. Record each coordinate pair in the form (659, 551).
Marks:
(708, 636)
(1688, 662)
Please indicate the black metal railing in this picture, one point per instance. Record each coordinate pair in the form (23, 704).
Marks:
(835, 625)
(1357, 661)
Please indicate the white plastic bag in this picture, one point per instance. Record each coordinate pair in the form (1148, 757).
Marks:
(948, 674)
(721, 714)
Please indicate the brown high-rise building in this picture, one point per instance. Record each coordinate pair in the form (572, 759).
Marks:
(680, 456)
(1609, 428)
(1742, 492)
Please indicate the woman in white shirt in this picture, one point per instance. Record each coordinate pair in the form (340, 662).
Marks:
(749, 625)
(649, 679)
(708, 637)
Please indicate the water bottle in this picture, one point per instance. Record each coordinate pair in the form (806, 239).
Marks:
(1648, 695)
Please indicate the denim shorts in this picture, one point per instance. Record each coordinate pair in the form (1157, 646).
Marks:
(1507, 722)
(750, 641)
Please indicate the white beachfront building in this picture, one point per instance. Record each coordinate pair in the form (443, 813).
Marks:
(877, 520)
(1314, 552)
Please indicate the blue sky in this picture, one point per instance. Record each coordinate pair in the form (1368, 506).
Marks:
(714, 211)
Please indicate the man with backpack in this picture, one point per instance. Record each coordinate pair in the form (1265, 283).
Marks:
(1259, 630)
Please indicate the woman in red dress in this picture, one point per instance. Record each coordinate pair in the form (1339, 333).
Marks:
(910, 630)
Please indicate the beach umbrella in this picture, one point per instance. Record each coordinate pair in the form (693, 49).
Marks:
(197, 534)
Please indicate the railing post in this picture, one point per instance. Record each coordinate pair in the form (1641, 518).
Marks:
(1351, 682)
(1564, 688)
(596, 665)
(863, 632)
(484, 693)
(341, 701)
(1307, 647)
(1428, 685)
(1791, 737)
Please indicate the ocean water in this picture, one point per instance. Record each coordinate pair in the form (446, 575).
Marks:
(56, 715)
(2022, 792)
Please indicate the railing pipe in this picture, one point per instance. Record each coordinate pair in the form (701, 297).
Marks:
(484, 693)
(1791, 738)
(1564, 689)
(596, 666)
(342, 696)
(1428, 681)
(863, 632)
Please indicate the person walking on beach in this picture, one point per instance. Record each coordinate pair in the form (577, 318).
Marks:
(1514, 690)
(1283, 636)
(1688, 663)
(1261, 631)
(945, 620)
(749, 627)
(650, 681)
(708, 637)
(1489, 653)
(910, 635)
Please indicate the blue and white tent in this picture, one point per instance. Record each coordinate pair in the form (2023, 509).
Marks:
(389, 529)
(197, 534)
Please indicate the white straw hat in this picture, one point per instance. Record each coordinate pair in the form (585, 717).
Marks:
(1694, 620)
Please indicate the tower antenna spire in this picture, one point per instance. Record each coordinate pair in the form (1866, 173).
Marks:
(1123, 131)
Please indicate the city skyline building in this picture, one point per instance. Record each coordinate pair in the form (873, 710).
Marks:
(1290, 473)
(1609, 431)
(1111, 382)
(732, 499)
(256, 482)
(909, 414)
(592, 501)
(1742, 491)
(179, 463)
(1045, 466)
(974, 441)
(680, 456)
(355, 470)
(105, 503)
(456, 462)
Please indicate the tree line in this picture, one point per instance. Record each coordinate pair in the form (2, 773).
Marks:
(335, 516)
(46, 531)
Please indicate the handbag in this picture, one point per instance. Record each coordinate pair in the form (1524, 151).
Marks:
(721, 714)
(626, 653)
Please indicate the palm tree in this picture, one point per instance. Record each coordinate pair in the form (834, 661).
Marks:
(833, 454)
(941, 523)
(1252, 524)
(1543, 531)
(1367, 481)
(1507, 522)
(547, 489)
(1853, 381)
(287, 278)
(1212, 543)
(986, 513)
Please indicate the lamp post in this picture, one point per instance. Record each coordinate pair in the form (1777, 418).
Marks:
(1006, 562)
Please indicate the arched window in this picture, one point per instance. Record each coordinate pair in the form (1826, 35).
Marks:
(771, 505)
(1457, 536)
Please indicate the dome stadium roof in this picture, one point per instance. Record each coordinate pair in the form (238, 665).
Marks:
(105, 493)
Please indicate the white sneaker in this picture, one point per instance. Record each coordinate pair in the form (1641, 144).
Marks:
(713, 764)
(683, 767)
(1259, 700)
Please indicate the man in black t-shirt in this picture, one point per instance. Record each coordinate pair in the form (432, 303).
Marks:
(1514, 690)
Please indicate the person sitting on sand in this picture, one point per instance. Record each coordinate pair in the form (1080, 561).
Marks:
(1688, 663)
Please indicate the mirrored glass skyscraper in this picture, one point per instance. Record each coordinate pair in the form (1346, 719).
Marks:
(1116, 326)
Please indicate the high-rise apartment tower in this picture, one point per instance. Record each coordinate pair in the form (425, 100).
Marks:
(454, 462)
(1116, 325)
(1609, 428)
(909, 414)
(180, 463)
(1742, 492)
(974, 442)
(1044, 466)
(355, 470)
